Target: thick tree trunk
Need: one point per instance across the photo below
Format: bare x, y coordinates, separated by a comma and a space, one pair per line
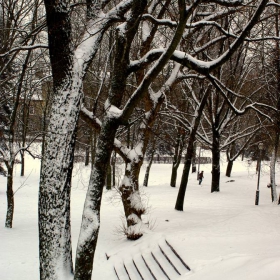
55, 250
54, 205
10, 199
133, 207
215, 185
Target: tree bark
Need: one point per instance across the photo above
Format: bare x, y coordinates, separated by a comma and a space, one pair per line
147, 173
22, 154
109, 177
184, 181
57, 163
272, 167
230, 154
87, 155
215, 185
114, 168
91, 214
229, 168
177, 158
132, 203
10, 198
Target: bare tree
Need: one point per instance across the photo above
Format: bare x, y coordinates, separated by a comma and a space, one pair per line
13, 74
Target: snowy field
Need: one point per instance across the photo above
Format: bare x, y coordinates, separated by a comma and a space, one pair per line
220, 236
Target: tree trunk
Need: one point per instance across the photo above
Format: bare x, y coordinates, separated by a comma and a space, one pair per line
54, 206
229, 168
55, 250
87, 156
22, 163
93, 144
147, 173
230, 154
272, 167
133, 207
177, 158
91, 214
189, 155
193, 165
184, 182
215, 186
109, 177
10, 199
174, 175
114, 168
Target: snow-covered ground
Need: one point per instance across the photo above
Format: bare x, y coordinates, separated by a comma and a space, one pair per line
220, 236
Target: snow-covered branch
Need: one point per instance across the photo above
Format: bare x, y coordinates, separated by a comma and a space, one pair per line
24, 48
246, 108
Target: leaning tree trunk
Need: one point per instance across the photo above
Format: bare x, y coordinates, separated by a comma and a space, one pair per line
10, 197
147, 173
229, 168
91, 214
184, 181
189, 155
215, 185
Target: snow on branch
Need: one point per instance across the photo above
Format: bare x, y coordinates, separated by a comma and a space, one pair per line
166, 22
148, 58
24, 48
229, 3
164, 58
248, 131
4, 155
204, 67
90, 118
203, 23
26, 148
246, 108
95, 123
